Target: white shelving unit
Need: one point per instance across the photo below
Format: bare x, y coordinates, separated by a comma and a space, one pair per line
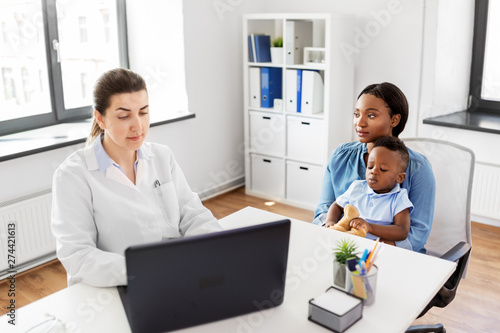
286, 152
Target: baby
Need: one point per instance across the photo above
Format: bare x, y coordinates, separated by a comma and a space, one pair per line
383, 205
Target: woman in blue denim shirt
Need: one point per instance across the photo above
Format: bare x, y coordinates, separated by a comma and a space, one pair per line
381, 110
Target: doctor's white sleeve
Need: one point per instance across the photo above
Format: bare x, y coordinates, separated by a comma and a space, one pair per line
76, 234
194, 217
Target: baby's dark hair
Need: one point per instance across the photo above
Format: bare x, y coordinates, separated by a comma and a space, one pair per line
395, 144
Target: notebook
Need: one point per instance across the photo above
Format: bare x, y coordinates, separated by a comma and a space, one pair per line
199, 279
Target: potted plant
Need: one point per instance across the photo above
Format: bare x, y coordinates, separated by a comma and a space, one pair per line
346, 249
277, 51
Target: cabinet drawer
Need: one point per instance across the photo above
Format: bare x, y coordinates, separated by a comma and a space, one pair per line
305, 139
267, 133
303, 182
268, 175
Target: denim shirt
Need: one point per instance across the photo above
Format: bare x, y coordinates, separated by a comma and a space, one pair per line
347, 164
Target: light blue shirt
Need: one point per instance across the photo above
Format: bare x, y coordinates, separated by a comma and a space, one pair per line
103, 159
346, 164
377, 208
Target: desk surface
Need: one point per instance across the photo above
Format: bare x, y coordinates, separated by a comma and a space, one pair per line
406, 283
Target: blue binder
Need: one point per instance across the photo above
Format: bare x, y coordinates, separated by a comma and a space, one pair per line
299, 89
262, 48
271, 85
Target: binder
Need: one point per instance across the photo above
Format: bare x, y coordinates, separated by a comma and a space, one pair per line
299, 90
254, 83
293, 90
312, 92
298, 35
270, 85
251, 48
262, 48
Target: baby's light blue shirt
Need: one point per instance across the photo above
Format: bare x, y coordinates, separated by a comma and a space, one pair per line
378, 208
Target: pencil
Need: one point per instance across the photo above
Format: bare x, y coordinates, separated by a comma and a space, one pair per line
372, 252
373, 259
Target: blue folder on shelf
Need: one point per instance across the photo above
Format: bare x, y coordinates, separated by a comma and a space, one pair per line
299, 89
270, 84
293, 90
262, 48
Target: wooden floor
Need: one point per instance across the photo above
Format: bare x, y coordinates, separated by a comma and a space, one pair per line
476, 307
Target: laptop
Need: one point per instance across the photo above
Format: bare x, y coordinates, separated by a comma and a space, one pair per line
199, 279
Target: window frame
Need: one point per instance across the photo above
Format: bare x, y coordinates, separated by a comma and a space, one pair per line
476, 103
58, 113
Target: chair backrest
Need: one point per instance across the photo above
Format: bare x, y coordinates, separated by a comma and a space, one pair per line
453, 167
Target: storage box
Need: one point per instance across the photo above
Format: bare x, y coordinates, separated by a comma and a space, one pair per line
267, 133
336, 310
303, 183
306, 139
268, 175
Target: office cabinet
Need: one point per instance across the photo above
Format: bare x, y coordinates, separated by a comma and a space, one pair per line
296, 109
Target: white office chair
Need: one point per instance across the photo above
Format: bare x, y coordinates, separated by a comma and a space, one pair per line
450, 237
453, 168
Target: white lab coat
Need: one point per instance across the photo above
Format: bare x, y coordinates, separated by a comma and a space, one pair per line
96, 215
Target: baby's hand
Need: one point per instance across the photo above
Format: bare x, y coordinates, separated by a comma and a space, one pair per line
359, 223
328, 224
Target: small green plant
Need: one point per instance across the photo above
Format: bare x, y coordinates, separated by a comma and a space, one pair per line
346, 249
278, 42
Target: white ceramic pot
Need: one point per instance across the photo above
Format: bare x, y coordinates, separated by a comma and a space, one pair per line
277, 55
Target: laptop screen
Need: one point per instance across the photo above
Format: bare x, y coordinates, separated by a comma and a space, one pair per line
199, 279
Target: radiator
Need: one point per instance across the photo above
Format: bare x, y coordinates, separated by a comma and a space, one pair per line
34, 242
485, 199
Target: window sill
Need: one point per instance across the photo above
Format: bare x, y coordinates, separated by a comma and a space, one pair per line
470, 120
53, 137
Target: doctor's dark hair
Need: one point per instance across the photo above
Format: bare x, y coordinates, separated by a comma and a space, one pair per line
113, 82
394, 98
394, 144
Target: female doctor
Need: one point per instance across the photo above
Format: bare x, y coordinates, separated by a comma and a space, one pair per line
119, 190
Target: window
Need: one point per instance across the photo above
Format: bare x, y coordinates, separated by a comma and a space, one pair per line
51, 52
485, 72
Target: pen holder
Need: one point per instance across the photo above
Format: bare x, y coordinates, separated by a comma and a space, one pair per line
365, 286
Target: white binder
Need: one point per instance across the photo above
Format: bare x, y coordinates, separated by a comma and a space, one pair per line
291, 90
312, 92
254, 83
298, 35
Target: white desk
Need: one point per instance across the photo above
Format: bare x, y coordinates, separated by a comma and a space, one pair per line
406, 283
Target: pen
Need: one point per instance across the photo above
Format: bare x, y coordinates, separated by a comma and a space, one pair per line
363, 267
157, 185
365, 254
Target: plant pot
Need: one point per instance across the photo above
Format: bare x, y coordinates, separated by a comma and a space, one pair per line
277, 55
341, 276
